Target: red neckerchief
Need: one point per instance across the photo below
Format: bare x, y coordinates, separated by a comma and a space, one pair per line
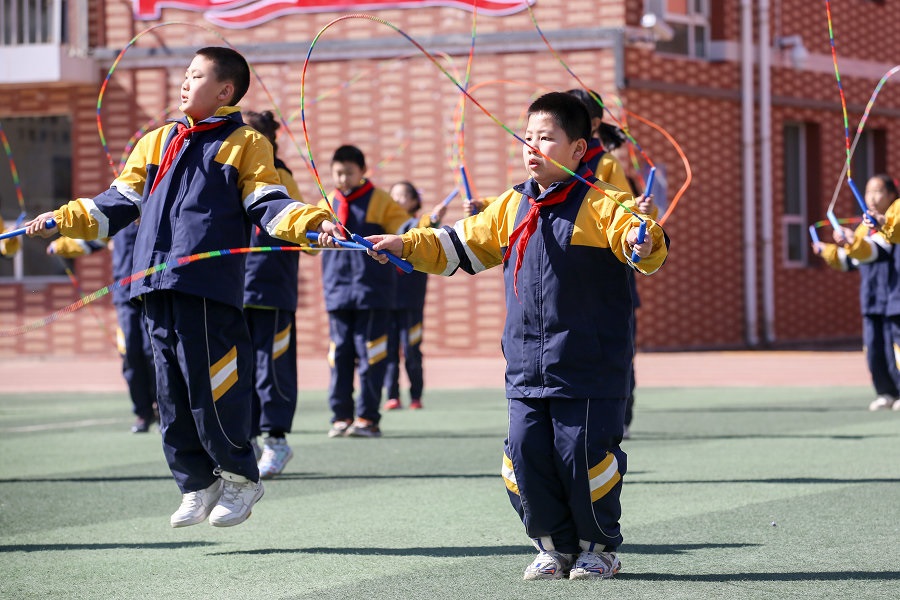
343, 208
528, 226
175, 146
593, 153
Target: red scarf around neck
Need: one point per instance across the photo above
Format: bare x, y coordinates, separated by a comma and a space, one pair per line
343, 208
175, 145
528, 226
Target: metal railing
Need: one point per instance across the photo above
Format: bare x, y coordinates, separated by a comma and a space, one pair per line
28, 22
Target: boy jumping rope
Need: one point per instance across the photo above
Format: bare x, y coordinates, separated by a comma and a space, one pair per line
565, 248
198, 185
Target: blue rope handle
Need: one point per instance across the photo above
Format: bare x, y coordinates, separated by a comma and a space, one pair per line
50, 223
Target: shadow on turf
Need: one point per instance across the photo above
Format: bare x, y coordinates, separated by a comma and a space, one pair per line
788, 480
649, 436
69, 547
730, 577
464, 551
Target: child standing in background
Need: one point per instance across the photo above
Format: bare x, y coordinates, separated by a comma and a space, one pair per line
600, 158
132, 339
359, 295
270, 305
408, 317
868, 251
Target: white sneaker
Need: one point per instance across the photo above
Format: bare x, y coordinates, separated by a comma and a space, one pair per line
549, 564
196, 506
257, 451
595, 565
275, 455
239, 494
882, 402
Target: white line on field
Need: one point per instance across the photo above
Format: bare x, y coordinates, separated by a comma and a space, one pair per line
66, 425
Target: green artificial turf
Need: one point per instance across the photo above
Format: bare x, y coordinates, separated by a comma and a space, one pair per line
730, 493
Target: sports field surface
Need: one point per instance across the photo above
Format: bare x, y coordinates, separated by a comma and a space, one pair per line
765, 488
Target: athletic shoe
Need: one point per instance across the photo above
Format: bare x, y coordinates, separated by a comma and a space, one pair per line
196, 506
339, 428
626, 433
595, 565
882, 402
141, 425
275, 455
364, 428
549, 564
239, 494
392, 404
896, 405
415, 404
257, 451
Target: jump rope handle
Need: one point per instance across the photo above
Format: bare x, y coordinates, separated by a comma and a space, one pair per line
813, 234
314, 237
642, 230
50, 223
446, 201
465, 182
398, 262
862, 204
361, 243
835, 224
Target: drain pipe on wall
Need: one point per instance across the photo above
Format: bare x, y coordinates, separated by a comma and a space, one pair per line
765, 166
749, 171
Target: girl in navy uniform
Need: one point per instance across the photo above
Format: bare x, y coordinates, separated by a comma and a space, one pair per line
408, 317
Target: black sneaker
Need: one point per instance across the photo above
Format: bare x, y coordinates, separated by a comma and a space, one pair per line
141, 425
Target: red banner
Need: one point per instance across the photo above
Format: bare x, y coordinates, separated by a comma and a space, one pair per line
244, 14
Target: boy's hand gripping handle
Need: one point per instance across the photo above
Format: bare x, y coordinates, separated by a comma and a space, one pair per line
642, 232
314, 237
398, 262
50, 223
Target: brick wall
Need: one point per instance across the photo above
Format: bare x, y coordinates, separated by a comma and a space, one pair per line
401, 113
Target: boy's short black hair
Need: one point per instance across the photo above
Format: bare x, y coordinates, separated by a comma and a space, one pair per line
350, 154
568, 112
231, 66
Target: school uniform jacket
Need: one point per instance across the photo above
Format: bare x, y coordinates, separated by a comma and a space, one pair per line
221, 181
352, 280
874, 269
605, 166
568, 332
271, 278
412, 287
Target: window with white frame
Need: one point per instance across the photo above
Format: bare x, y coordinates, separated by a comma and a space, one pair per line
794, 217
42, 153
689, 23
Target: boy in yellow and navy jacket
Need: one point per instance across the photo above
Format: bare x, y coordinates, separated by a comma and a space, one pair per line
197, 185
567, 338
359, 296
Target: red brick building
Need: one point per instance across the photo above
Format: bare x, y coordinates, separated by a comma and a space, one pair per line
746, 88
